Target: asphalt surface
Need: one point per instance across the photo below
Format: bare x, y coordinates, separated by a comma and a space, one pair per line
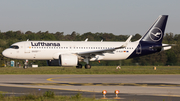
131, 87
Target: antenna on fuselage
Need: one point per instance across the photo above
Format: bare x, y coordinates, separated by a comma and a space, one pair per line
27, 39
86, 40
102, 40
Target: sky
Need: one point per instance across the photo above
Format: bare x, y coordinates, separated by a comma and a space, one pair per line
120, 17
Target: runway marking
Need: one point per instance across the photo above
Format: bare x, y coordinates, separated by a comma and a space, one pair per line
67, 83
52, 79
105, 84
20, 86
168, 95
168, 87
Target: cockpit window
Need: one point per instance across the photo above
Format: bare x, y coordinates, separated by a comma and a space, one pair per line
14, 47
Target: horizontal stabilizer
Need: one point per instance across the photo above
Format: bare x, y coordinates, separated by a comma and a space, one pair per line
163, 47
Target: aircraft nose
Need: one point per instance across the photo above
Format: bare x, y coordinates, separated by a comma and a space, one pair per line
5, 53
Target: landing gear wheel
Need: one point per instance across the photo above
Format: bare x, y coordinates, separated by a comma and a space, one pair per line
25, 66
79, 66
88, 66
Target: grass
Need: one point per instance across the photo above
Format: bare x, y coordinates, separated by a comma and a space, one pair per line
93, 70
47, 96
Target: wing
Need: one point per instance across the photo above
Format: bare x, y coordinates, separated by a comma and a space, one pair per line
100, 52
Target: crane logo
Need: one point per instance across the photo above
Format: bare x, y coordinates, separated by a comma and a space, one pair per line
156, 34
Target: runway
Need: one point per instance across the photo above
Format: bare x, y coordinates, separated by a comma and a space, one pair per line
131, 87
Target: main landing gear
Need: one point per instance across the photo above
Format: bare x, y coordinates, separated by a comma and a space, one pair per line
87, 66
79, 66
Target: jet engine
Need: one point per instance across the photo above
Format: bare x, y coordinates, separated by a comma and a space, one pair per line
64, 60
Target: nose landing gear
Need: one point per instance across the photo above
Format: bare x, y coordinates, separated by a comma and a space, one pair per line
25, 64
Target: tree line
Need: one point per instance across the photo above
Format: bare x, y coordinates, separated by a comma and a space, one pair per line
170, 57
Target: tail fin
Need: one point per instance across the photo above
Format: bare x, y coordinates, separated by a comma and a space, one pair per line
156, 32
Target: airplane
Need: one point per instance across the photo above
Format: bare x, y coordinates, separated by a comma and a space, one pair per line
71, 53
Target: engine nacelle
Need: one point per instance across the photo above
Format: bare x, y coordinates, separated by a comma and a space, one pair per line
64, 60
69, 60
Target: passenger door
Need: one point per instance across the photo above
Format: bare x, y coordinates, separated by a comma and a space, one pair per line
27, 47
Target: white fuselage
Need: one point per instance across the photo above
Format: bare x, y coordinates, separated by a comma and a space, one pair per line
49, 50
